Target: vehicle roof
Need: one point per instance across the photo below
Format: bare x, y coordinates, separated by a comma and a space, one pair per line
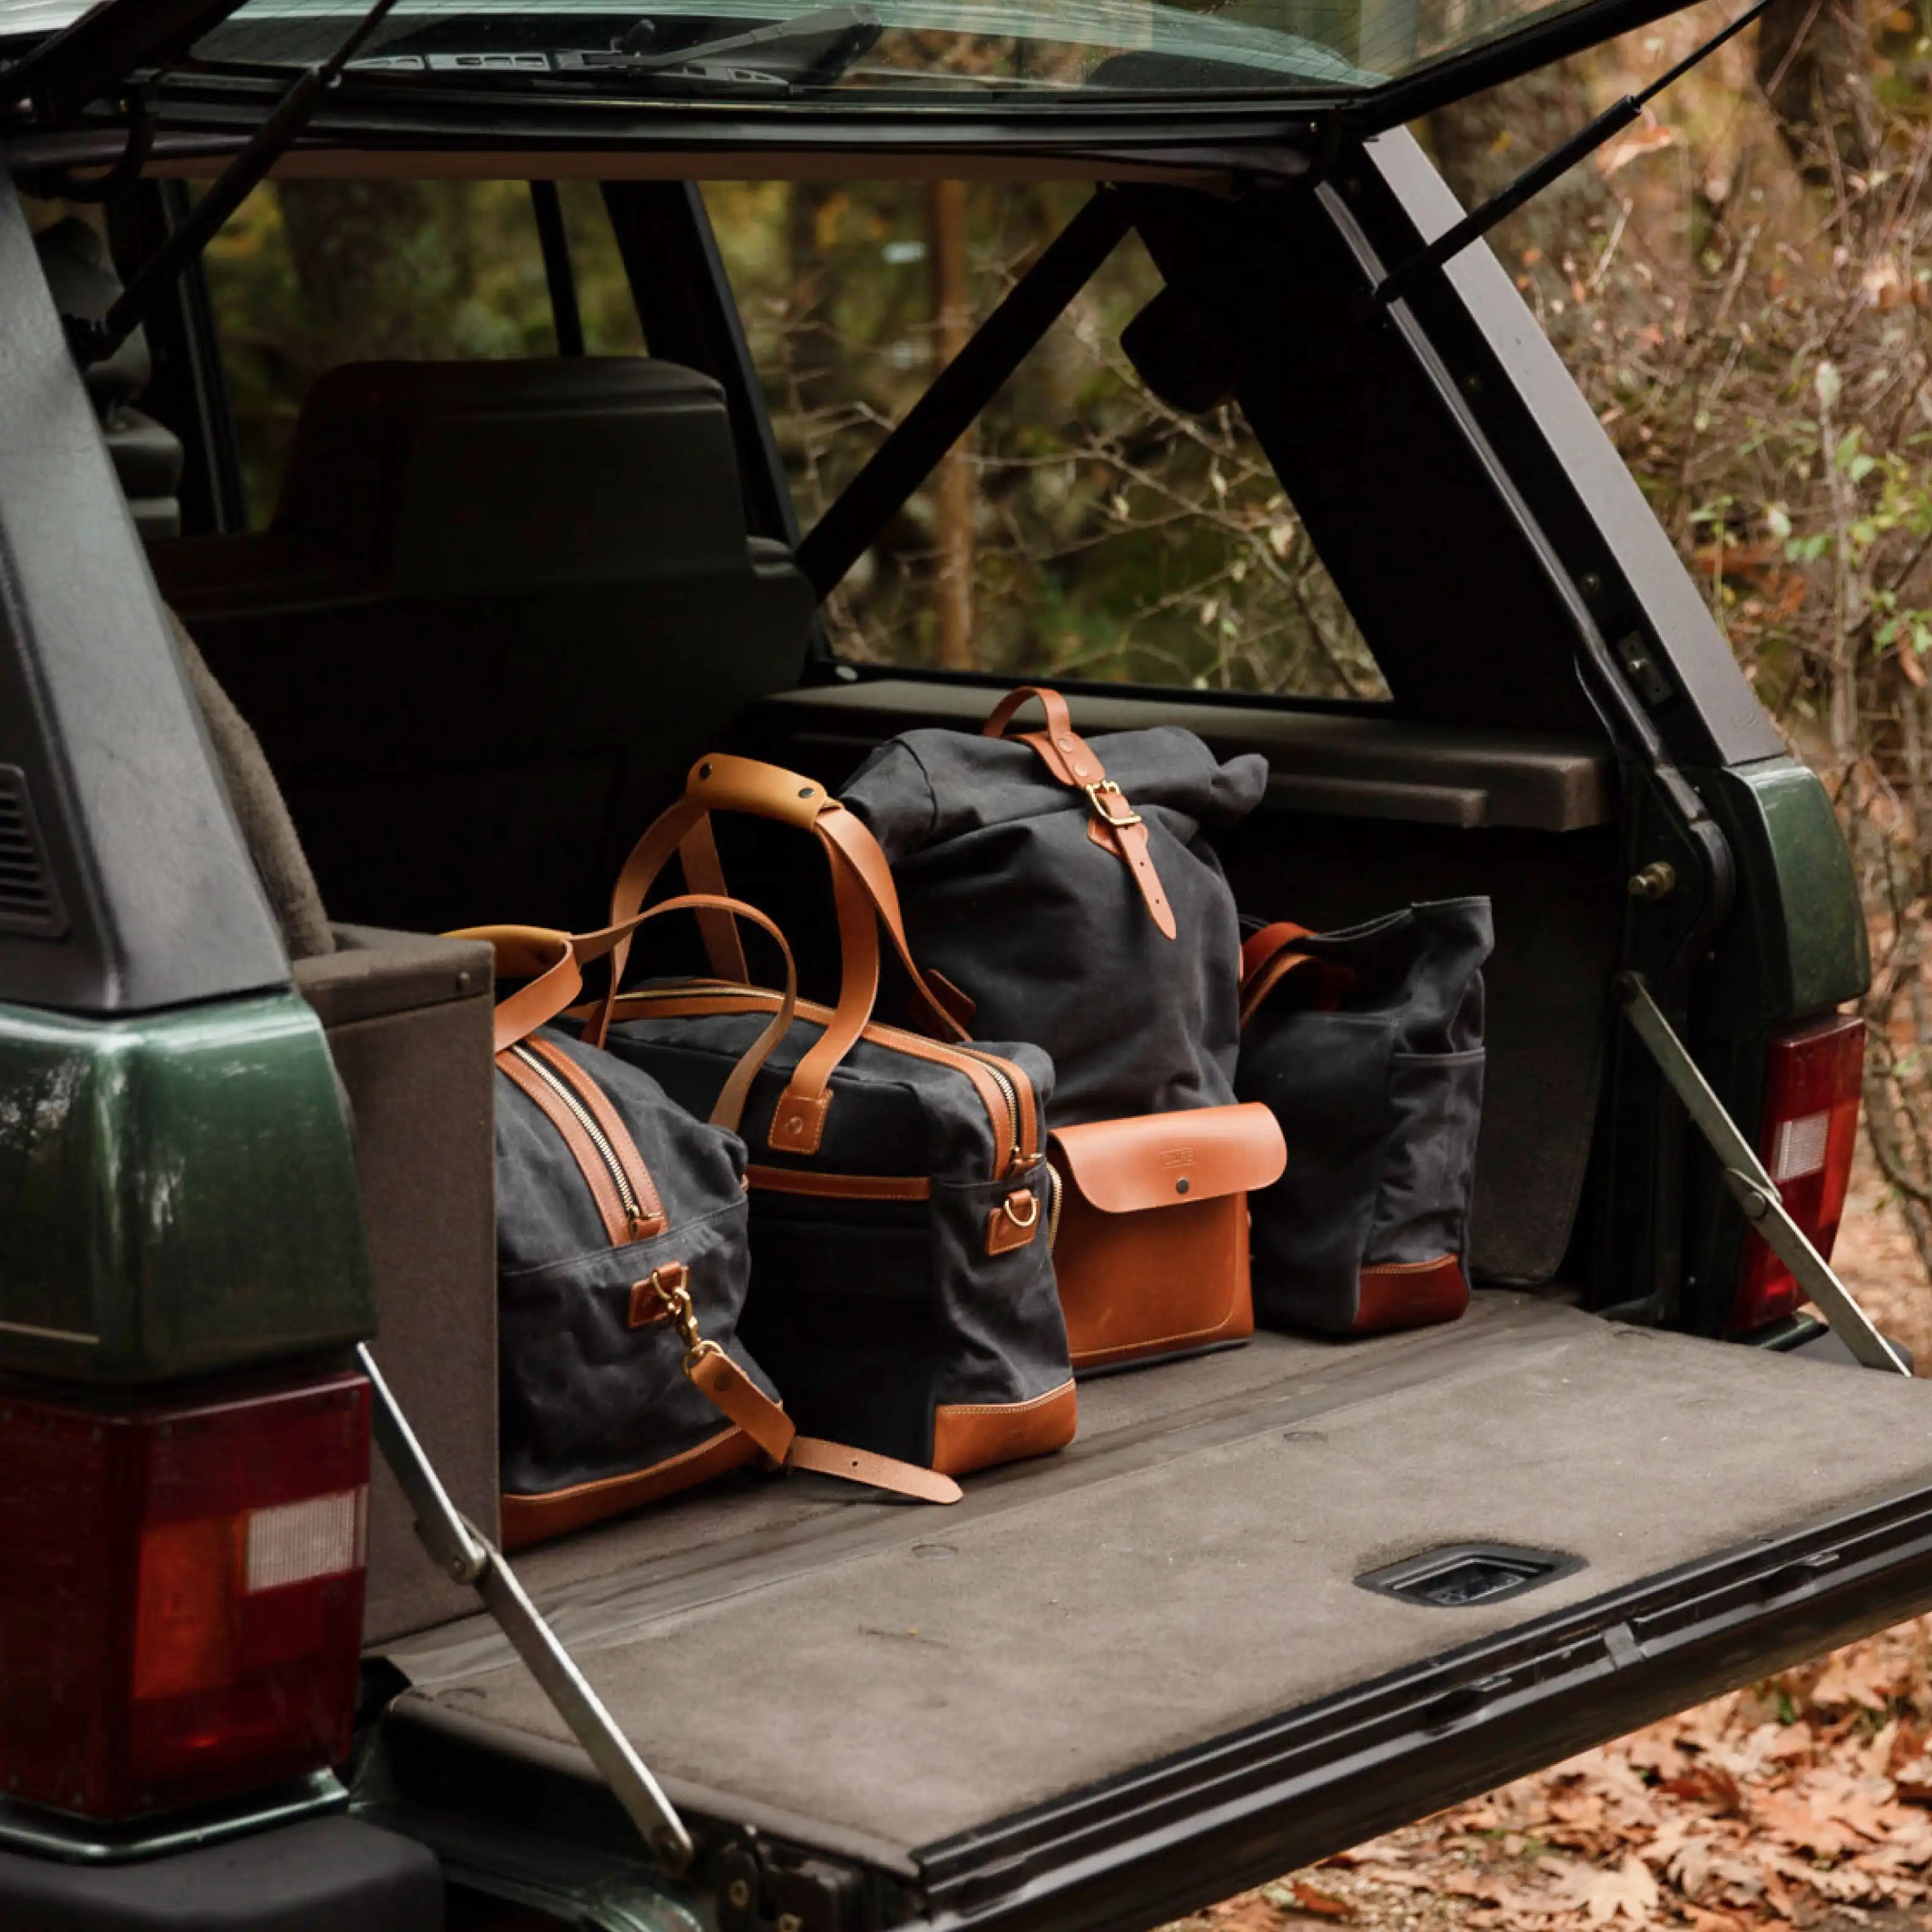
1116, 78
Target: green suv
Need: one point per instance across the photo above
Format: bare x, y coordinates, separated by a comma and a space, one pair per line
1270, 1602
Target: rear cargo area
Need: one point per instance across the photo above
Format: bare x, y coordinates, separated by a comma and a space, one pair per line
894, 1683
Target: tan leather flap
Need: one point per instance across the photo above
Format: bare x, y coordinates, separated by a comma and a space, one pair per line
1161, 1160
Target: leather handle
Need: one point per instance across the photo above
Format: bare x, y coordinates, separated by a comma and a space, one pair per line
766, 791
557, 959
1067, 754
703, 872
1268, 958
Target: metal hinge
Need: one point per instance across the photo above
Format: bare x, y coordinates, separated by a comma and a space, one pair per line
1753, 1189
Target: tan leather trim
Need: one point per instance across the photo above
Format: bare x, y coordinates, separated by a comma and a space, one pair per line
597, 1102
583, 1149
1409, 1295
1163, 1281
798, 1122
723, 1383
967, 1436
876, 1472
1163, 1160
840, 1186
1013, 1223
528, 1519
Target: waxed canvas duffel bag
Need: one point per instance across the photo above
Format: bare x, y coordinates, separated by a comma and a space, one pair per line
623, 1265
903, 1289
1062, 890
1367, 1046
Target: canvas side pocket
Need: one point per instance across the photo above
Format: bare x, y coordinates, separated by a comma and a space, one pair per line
1327, 1078
1422, 1206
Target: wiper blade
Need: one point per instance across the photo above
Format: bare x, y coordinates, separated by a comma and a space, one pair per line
811, 50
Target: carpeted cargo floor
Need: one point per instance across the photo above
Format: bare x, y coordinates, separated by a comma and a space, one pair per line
1187, 1568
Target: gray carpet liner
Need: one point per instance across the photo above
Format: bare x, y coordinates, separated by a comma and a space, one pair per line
1185, 1569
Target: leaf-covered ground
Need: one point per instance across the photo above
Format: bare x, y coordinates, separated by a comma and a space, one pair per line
1804, 1802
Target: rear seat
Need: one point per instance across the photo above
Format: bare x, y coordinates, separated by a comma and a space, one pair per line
502, 606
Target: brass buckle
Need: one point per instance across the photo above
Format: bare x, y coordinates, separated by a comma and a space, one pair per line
1095, 794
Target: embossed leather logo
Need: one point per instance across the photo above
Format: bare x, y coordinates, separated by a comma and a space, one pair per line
1180, 1157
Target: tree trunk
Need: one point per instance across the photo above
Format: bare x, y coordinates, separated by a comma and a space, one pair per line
952, 480
1812, 62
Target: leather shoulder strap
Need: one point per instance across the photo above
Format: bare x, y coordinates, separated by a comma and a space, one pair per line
1115, 826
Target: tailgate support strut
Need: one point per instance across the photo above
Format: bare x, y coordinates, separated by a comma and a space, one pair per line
460, 1550
1753, 1189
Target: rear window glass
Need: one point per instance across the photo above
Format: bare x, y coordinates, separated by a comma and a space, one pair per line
309, 274
1085, 529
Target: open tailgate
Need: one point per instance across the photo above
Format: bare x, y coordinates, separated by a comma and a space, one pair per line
1115, 1684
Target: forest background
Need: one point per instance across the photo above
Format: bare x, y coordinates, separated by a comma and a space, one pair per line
1740, 284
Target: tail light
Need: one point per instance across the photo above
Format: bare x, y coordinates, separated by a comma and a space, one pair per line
180, 1594
1812, 1079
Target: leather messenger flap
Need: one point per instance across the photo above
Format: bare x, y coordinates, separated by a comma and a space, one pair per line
1161, 1160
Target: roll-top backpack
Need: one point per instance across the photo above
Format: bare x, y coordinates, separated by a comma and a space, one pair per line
903, 1290
1367, 1044
1060, 890
623, 1265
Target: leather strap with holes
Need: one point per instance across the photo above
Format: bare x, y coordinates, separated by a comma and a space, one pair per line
735, 1395
1113, 824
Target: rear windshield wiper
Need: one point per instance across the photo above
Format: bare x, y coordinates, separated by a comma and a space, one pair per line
811, 50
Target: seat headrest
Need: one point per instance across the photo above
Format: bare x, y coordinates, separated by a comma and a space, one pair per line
483, 478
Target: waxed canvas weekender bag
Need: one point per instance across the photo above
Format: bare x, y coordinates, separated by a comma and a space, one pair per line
623, 1266
903, 1288
1367, 1045
1065, 889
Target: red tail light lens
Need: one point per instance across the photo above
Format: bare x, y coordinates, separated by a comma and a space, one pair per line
1812, 1079
180, 1594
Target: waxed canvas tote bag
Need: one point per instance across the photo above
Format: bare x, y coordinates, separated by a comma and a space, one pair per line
1366, 1045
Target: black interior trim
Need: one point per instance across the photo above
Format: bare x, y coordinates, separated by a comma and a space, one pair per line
1355, 767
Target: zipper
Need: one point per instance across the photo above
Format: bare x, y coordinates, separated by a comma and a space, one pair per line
1054, 1184
627, 1194
1017, 1115
997, 1068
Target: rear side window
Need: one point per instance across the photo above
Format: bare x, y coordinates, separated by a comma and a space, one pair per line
309, 274
1084, 529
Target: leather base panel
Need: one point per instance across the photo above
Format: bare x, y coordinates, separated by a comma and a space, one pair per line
1410, 1294
528, 1519
967, 1436
1163, 1282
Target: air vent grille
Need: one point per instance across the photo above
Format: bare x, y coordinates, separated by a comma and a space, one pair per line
28, 901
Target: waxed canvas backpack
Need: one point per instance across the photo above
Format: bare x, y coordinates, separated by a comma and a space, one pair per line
1062, 890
